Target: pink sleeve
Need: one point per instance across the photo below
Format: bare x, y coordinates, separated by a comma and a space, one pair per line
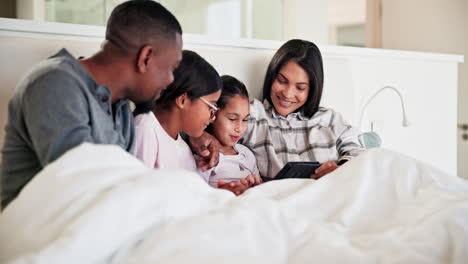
146, 145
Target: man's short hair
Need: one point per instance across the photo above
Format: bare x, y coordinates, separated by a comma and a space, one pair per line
136, 23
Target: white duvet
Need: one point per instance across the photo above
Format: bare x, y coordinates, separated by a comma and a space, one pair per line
98, 204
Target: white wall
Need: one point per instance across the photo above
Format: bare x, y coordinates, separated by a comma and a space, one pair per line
346, 12
267, 19
306, 19
434, 26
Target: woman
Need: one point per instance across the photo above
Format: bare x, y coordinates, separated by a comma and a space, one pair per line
290, 125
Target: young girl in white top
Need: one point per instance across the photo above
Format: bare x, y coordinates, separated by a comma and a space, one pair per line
186, 105
236, 162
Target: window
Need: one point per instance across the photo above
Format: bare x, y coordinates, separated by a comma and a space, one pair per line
335, 22
259, 19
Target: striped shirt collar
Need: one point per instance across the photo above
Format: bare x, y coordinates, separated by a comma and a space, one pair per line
272, 111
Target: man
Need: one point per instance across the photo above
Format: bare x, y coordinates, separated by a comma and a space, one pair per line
63, 102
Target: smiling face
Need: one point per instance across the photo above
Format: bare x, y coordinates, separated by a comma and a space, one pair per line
231, 121
290, 88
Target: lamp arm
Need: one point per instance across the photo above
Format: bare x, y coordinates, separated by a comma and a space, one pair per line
405, 122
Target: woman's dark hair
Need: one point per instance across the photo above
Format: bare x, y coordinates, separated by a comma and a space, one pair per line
231, 87
307, 55
194, 76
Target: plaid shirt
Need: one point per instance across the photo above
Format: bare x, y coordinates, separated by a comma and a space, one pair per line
276, 140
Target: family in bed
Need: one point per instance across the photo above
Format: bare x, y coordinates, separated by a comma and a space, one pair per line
186, 115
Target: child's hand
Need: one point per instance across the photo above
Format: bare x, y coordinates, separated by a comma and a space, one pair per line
236, 187
252, 180
324, 169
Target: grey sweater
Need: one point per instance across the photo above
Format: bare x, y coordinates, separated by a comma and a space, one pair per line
57, 106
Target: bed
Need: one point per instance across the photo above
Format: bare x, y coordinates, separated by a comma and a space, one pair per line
98, 204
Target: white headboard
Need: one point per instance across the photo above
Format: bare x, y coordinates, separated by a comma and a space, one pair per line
351, 76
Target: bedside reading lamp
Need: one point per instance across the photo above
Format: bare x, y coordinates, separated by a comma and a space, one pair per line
372, 139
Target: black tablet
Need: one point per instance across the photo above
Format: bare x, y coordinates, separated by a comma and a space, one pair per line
300, 169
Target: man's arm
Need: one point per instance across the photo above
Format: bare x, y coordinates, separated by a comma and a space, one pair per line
56, 115
207, 147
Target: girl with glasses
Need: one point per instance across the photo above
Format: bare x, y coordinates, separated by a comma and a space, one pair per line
236, 162
187, 105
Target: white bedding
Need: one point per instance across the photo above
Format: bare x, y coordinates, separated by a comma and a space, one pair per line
97, 204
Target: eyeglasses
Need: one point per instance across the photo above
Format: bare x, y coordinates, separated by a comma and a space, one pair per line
213, 109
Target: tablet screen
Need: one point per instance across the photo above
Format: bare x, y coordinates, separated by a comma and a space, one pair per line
301, 169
